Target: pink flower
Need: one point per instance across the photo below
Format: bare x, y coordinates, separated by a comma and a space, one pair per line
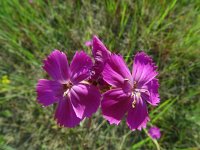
100, 54
69, 88
130, 92
88, 43
154, 132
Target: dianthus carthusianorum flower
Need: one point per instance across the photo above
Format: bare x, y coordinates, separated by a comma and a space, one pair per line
154, 132
69, 88
88, 43
130, 91
100, 54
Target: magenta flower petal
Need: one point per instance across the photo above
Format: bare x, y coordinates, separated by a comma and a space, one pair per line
152, 97
116, 71
144, 70
154, 132
80, 67
100, 54
85, 99
138, 116
65, 114
88, 43
56, 65
99, 47
77, 104
48, 92
114, 105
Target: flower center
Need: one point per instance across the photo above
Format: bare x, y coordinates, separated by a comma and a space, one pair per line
136, 93
66, 88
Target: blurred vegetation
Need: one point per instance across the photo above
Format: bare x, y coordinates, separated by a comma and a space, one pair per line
168, 30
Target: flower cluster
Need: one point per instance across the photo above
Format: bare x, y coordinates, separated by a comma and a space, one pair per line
84, 85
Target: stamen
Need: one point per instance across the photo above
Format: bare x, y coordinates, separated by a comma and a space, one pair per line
135, 95
126, 79
84, 82
138, 94
67, 88
133, 103
66, 93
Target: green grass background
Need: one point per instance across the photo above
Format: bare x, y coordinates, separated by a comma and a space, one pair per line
168, 30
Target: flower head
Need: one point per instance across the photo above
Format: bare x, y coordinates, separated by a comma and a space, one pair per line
130, 91
100, 54
69, 88
154, 132
88, 43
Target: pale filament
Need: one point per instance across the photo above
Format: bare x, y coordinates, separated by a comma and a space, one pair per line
67, 88
66, 93
136, 94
